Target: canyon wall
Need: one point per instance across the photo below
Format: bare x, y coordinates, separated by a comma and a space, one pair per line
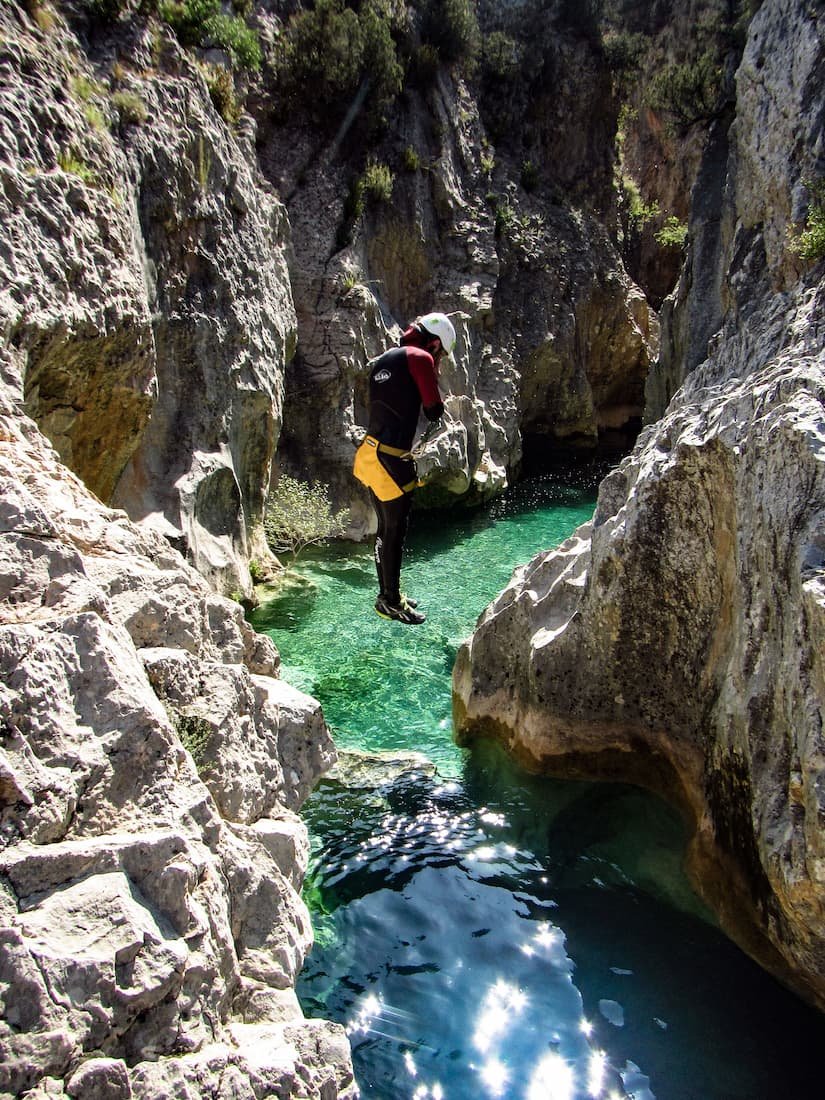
152, 763
677, 640
144, 268
513, 241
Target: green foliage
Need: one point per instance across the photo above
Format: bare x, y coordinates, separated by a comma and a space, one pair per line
331, 52
505, 215
501, 57
95, 117
85, 89
624, 53
130, 108
688, 92
672, 234
809, 243
451, 27
639, 213
298, 515
351, 214
256, 574
411, 159
201, 23
71, 163
221, 87
381, 63
194, 734
352, 276
377, 181
529, 175
424, 64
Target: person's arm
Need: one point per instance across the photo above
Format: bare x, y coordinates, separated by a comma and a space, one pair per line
422, 368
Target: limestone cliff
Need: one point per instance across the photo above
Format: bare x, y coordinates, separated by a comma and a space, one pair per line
152, 927
143, 264
151, 762
678, 639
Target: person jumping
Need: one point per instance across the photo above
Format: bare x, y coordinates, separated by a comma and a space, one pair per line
402, 381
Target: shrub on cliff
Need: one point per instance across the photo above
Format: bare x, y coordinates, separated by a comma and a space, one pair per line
202, 23
298, 515
809, 243
332, 57
451, 27
688, 92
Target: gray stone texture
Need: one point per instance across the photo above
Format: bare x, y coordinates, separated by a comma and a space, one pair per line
678, 639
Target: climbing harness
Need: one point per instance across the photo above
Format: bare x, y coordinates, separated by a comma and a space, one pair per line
369, 470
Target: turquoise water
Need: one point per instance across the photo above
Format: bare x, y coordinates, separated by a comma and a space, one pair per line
485, 933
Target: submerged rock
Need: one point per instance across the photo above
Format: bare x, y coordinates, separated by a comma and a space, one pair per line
677, 640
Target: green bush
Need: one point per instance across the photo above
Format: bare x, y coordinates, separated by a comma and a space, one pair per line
672, 234
380, 62
623, 52
809, 243
298, 515
201, 23
688, 92
412, 161
377, 182
639, 212
194, 734
330, 53
221, 87
501, 57
452, 28
73, 165
130, 108
529, 175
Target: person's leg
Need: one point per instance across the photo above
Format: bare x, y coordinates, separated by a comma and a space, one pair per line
393, 516
389, 550
378, 546
396, 519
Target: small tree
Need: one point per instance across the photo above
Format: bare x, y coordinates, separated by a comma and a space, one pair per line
299, 514
809, 242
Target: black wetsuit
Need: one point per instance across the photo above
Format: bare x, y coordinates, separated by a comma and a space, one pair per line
402, 380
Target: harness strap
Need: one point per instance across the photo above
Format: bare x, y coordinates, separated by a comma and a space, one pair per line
385, 448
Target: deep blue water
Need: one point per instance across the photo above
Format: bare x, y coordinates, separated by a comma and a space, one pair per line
486, 933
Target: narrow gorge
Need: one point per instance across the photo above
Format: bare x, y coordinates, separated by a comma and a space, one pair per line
212, 215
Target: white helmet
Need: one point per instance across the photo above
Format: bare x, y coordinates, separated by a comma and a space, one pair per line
440, 325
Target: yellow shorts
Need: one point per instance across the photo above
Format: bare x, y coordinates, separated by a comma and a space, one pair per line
369, 470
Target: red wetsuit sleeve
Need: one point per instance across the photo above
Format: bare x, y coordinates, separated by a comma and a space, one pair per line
422, 368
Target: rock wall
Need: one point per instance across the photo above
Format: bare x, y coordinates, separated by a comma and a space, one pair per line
151, 762
145, 263
151, 767
677, 640
554, 338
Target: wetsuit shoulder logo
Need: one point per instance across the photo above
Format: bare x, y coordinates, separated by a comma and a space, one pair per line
382, 376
